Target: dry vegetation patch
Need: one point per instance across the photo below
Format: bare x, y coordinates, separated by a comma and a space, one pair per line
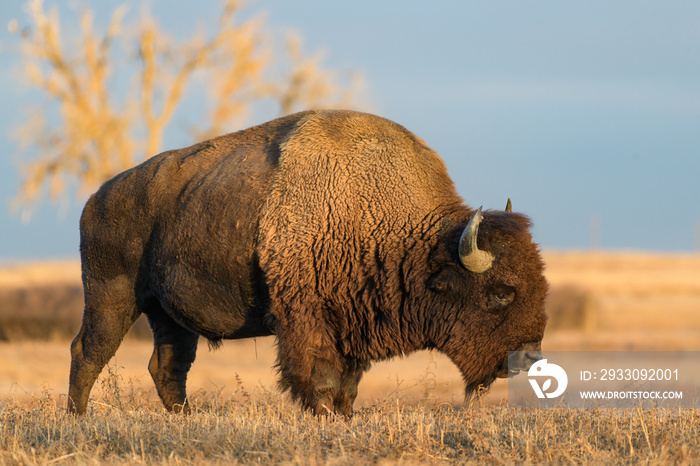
626, 299
40, 274
264, 427
625, 272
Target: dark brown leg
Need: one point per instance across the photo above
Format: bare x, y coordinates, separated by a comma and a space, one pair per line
309, 369
174, 352
109, 313
349, 380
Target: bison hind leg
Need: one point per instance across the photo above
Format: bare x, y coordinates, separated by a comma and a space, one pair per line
109, 313
174, 351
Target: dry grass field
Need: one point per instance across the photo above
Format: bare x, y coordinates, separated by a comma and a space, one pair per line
409, 410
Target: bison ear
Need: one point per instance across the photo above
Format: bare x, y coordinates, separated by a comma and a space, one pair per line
442, 281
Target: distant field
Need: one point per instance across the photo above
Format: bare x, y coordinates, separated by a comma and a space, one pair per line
40, 274
626, 300
410, 410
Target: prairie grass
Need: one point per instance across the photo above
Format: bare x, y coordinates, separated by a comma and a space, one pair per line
260, 426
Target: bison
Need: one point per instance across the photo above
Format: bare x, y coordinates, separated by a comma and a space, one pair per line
338, 232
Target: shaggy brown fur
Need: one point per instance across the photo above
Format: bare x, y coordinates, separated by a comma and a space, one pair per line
336, 231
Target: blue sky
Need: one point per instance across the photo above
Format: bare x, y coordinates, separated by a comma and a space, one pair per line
583, 112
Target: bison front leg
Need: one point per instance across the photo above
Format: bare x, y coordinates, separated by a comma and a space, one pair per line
310, 369
349, 380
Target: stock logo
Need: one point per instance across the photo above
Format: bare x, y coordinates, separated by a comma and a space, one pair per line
542, 370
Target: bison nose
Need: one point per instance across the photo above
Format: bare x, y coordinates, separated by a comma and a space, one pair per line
524, 358
531, 353
531, 357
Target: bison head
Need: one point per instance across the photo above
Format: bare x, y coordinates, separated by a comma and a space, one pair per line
489, 291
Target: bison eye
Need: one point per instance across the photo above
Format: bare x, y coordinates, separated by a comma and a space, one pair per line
501, 296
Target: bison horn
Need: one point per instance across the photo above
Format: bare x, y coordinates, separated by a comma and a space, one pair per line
509, 206
473, 259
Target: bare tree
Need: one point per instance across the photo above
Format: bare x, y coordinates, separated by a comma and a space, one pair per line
103, 129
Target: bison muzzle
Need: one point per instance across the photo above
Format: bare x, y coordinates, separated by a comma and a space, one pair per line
338, 232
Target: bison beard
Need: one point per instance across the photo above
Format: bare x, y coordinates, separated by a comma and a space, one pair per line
338, 232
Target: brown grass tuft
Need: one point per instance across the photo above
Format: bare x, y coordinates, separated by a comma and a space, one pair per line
265, 427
